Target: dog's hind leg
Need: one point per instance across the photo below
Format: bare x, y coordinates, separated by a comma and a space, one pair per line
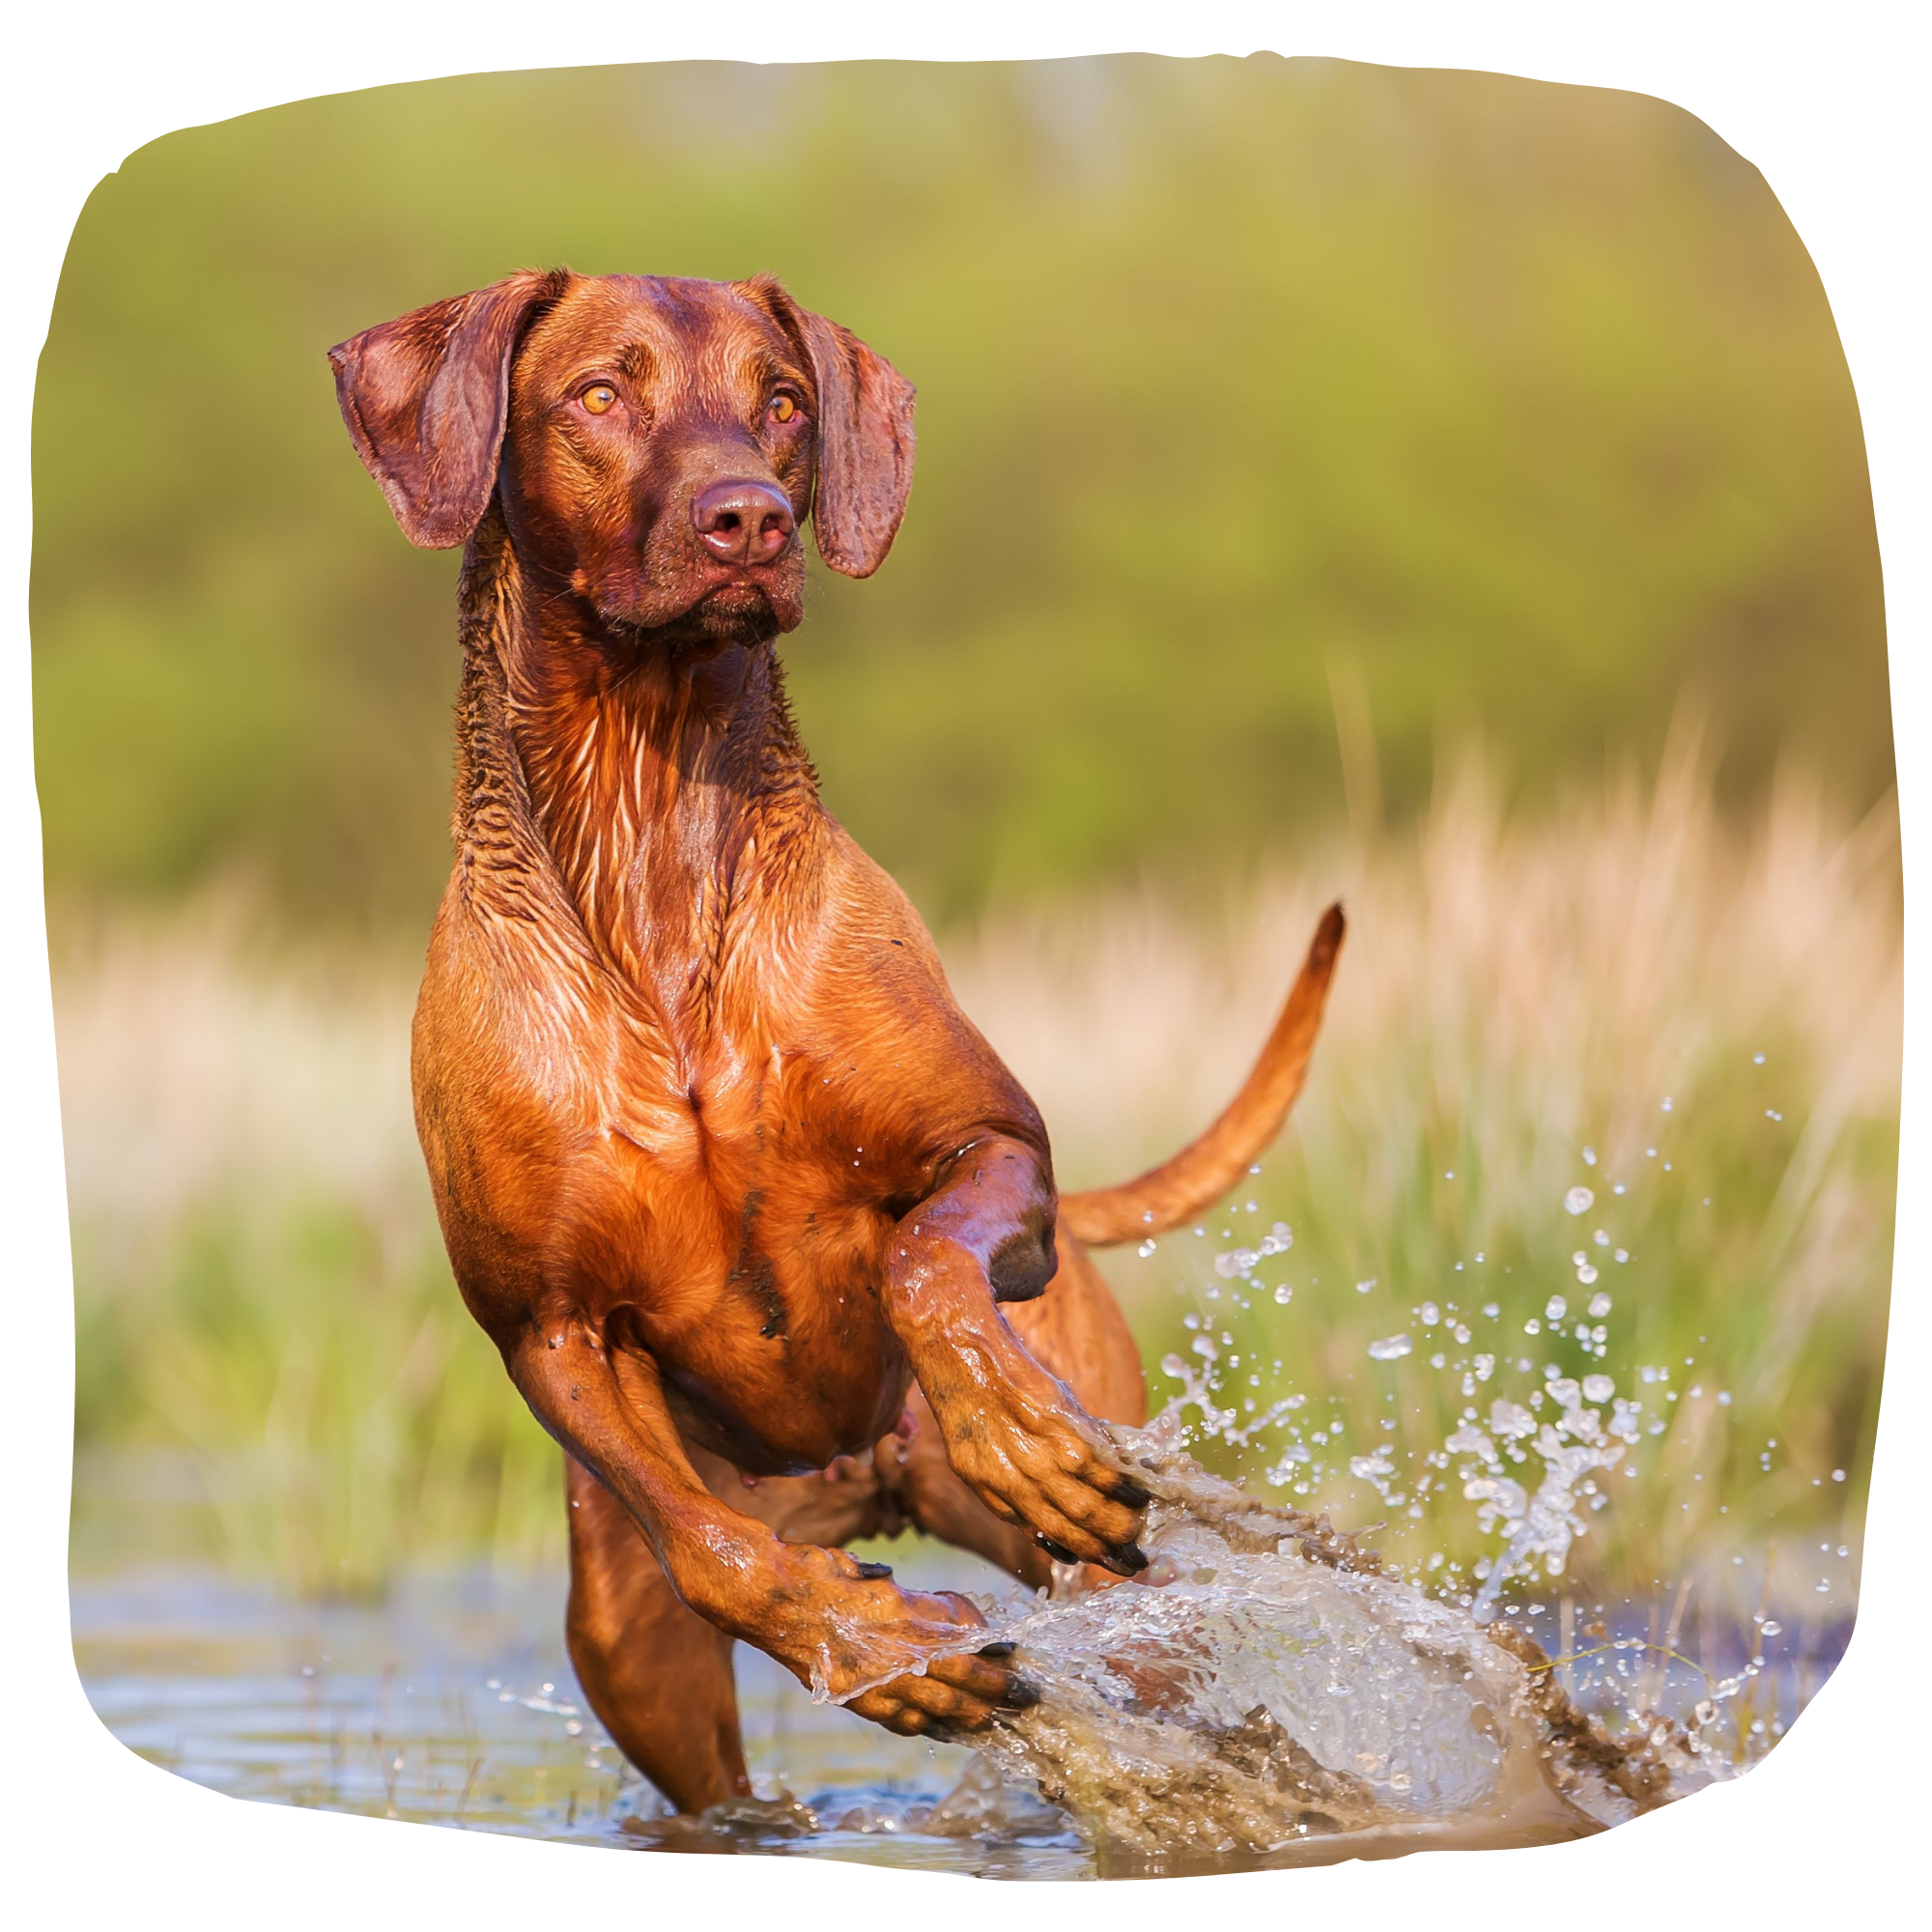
656, 1675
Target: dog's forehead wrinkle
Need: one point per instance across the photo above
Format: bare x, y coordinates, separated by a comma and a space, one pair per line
706, 342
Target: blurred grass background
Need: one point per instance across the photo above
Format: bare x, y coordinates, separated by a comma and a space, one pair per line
1331, 477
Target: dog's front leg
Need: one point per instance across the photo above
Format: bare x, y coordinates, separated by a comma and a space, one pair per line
1013, 1431
838, 1625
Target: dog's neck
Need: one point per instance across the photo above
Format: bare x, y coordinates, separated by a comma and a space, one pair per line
663, 787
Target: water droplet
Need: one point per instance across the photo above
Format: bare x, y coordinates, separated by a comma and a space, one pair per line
1586, 1274
1599, 1388
1556, 1307
1145, 1249
1579, 1201
1284, 1294
1589, 1157
1391, 1349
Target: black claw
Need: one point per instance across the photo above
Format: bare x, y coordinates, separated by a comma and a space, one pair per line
1129, 1493
997, 1651
1057, 1551
1126, 1559
869, 1571
1022, 1694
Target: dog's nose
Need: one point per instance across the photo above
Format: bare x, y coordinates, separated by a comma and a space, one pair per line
741, 521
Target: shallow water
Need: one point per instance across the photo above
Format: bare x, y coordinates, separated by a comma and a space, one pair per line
453, 1704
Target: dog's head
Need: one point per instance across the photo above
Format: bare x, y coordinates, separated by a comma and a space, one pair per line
657, 441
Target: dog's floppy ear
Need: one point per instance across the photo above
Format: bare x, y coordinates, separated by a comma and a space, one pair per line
865, 439
426, 397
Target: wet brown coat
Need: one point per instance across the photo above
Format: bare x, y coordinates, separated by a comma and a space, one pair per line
722, 1170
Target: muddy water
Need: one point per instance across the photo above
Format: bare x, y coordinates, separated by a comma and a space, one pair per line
452, 1704
1271, 1689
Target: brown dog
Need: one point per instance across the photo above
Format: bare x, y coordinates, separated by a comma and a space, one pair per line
723, 1171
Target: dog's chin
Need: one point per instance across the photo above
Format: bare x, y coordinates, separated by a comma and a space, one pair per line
739, 611
744, 612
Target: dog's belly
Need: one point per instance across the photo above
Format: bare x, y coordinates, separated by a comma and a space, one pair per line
772, 1350
755, 1300
774, 1405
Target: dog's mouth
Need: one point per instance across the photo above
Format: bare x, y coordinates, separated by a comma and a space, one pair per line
716, 604
745, 606
741, 594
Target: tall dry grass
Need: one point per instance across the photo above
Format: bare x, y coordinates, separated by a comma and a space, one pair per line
261, 1286
1603, 977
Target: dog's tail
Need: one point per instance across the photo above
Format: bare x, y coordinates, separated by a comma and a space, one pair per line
1202, 1171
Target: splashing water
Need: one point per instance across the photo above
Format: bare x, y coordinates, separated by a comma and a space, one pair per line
1269, 1686
1529, 1465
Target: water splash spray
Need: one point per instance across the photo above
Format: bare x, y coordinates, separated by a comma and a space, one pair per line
1274, 1688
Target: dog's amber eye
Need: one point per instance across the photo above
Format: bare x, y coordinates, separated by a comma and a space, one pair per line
598, 398
783, 409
